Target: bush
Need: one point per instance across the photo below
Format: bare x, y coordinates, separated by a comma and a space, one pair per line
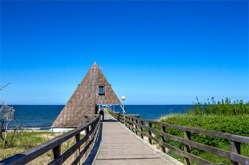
223, 107
223, 116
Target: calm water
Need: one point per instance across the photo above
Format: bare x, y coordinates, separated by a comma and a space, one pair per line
42, 116
153, 112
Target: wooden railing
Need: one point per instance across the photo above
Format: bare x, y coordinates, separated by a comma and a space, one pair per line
90, 129
143, 127
120, 117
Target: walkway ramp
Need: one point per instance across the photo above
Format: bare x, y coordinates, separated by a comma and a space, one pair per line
119, 146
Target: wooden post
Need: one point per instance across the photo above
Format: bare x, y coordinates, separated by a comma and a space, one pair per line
124, 119
187, 147
128, 123
163, 139
150, 141
136, 127
56, 152
118, 116
235, 147
87, 141
141, 129
87, 130
130, 119
125, 123
77, 152
132, 125
92, 135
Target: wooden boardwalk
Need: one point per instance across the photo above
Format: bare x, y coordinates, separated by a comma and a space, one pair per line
120, 146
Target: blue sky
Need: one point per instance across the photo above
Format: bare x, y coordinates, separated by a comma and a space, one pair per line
163, 52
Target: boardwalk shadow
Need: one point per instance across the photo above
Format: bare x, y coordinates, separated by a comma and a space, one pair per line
91, 157
110, 120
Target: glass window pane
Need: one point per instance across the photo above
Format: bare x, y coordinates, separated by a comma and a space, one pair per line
101, 90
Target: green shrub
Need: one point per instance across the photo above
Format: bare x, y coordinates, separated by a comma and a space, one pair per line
223, 107
223, 116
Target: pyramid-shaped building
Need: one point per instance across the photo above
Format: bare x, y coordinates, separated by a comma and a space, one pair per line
93, 90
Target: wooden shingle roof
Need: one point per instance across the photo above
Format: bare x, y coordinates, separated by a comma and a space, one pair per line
83, 101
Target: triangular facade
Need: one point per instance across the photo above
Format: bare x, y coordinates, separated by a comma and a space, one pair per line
94, 89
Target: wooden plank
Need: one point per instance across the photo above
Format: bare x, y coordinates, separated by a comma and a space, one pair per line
234, 156
120, 146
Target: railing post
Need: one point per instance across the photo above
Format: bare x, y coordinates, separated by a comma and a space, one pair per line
127, 122
56, 152
150, 125
118, 117
141, 129
129, 118
187, 147
136, 127
132, 125
163, 139
92, 136
235, 147
77, 152
124, 119
87, 141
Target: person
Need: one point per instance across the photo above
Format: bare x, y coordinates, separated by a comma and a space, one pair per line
101, 115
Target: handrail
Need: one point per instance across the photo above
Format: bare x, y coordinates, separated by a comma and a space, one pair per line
138, 126
90, 129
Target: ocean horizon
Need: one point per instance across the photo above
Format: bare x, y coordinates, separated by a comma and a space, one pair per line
42, 116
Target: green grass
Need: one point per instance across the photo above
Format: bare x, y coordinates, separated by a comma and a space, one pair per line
25, 140
28, 140
227, 124
222, 116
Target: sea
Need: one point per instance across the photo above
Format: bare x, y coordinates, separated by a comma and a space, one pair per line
41, 117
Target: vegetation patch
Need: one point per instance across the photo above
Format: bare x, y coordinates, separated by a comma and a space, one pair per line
25, 140
222, 116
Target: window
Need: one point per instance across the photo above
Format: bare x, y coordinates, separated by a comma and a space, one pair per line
102, 90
